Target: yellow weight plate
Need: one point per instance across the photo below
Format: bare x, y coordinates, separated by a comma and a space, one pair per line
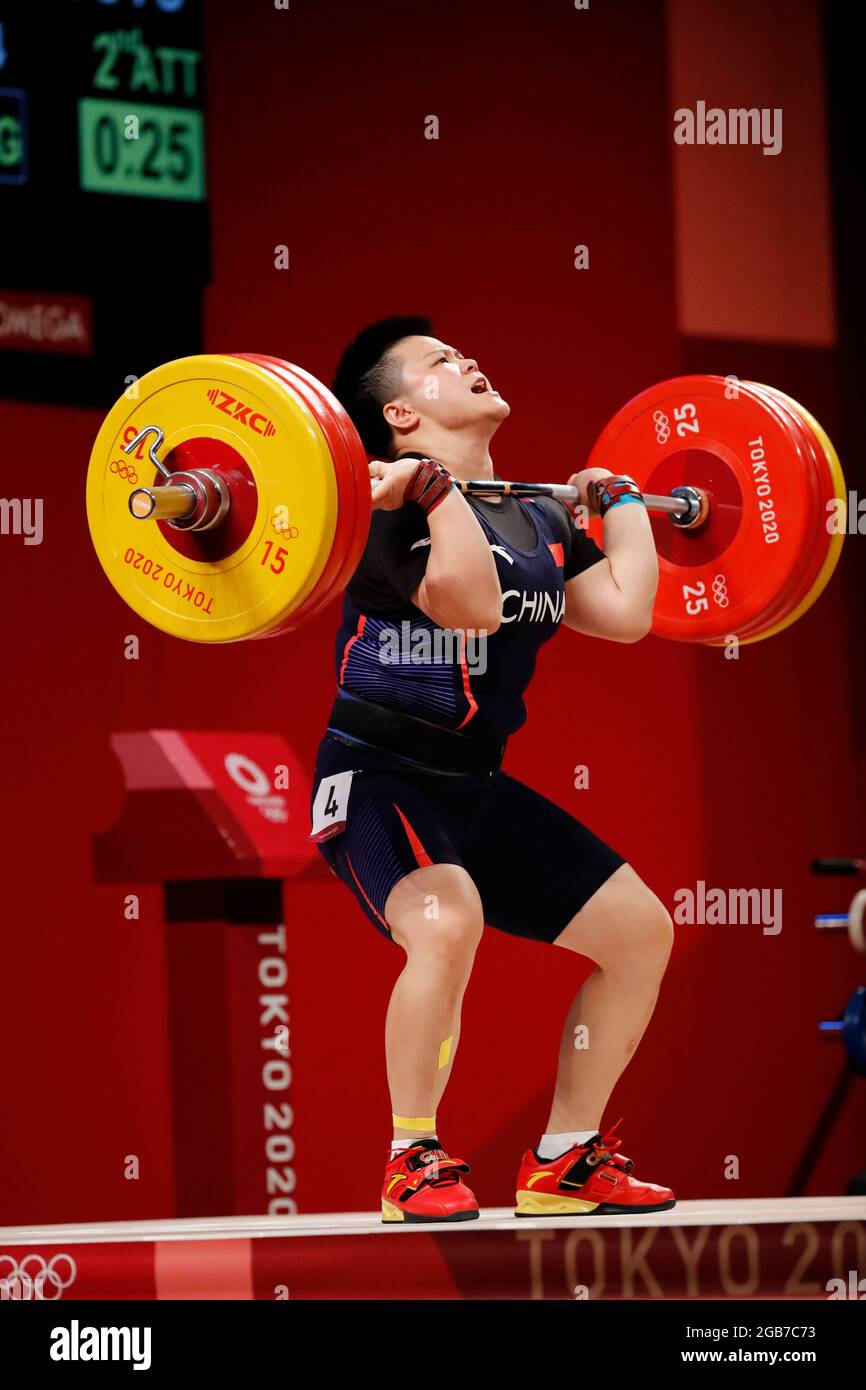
832, 558
268, 556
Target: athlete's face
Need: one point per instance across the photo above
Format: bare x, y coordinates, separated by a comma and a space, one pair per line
441, 385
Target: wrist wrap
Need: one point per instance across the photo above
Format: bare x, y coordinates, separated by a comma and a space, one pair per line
611, 492
429, 485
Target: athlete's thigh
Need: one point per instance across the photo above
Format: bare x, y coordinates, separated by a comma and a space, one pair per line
533, 864
392, 830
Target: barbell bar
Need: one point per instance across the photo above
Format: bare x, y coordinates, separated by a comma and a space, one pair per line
177, 500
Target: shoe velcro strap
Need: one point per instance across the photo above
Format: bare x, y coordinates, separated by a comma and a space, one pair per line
441, 1174
446, 1172
583, 1168
425, 1158
443, 1167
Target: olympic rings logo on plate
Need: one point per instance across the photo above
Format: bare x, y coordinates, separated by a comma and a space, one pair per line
662, 426
18, 1284
124, 470
720, 591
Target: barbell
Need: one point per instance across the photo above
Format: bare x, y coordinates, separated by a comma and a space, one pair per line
228, 497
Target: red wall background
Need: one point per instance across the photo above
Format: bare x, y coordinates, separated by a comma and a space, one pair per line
555, 130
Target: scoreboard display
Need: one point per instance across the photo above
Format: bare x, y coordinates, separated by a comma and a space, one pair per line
104, 246
165, 161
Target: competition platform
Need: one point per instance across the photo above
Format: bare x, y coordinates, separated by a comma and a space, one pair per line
790, 1248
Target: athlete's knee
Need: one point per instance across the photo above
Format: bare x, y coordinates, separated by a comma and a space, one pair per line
454, 935
641, 928
657, 926
624, 923
437, 911
450, 938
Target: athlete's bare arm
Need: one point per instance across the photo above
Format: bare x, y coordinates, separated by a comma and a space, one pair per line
460, 587
614, 598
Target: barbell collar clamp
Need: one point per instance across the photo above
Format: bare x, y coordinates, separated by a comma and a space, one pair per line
196, 499
697, 507
212, 495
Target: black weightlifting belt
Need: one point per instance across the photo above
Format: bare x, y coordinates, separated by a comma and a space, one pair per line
406, 736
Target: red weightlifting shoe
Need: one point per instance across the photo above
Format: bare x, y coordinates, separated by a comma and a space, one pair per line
590, 1177
422, 1183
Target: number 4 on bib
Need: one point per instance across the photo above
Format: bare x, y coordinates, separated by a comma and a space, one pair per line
329, 807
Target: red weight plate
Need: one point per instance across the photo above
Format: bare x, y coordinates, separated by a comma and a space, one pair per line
346, 509
741, 449
356, 487
791, 592
360, 465
836, 497
361, 491
815, 550
344, 556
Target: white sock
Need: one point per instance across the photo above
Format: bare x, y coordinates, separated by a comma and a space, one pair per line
398, 1145
553, 1145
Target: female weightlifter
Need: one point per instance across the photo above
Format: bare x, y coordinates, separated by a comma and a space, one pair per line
410, 807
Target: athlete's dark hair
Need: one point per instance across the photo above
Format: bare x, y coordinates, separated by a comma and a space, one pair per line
369, 375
